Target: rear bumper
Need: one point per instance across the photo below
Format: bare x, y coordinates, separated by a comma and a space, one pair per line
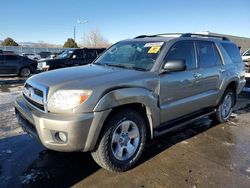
81, 130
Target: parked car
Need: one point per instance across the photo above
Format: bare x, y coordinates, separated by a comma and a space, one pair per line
15, 64
135, 91
32, 56
246, 59
70, 57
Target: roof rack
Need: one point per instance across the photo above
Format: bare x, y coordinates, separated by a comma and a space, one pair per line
184, 35
204, 35
157, 35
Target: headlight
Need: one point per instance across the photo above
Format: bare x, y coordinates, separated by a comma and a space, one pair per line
41, 65
68, 99
44, 64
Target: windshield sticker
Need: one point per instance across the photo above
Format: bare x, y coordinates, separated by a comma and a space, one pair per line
153, 44
154, 50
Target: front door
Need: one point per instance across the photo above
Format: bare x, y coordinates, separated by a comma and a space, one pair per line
10, 64
179, 90
2, 64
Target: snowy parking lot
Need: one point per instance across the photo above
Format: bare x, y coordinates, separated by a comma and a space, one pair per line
201, 155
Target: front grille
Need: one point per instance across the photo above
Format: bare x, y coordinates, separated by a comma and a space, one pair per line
247, 68
35, 96
40, 106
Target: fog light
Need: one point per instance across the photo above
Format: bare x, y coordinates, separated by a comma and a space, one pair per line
61, 136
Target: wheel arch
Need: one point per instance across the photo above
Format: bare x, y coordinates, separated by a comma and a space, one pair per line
139, 99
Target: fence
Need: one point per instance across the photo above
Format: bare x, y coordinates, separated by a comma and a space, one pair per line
21, 49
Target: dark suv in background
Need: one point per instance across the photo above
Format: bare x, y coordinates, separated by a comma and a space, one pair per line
15, 64
71, 57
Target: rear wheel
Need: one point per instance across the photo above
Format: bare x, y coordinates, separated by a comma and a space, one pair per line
225, 108
25, 72
122, 142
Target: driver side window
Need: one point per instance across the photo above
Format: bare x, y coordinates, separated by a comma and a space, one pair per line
183, 50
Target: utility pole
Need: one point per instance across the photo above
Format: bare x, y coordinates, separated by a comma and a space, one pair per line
74, 33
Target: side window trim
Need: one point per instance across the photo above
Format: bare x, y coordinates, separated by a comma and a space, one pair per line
196, 60
219, 51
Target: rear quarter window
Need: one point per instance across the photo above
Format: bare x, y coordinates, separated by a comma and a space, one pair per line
233, 52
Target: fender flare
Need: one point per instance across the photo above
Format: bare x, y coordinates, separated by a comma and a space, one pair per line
126, 96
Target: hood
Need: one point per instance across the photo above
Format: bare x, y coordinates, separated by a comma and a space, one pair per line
87, 76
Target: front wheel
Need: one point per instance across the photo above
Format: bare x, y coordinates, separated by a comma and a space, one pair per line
225, 108
122, 142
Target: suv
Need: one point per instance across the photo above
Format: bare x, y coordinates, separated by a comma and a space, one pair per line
137, 90
69, 58
246, 59
15, 64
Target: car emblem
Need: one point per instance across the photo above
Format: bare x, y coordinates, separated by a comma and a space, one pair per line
30, 92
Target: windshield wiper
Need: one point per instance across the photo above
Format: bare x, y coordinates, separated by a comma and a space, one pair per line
120, 66
117, 65
138, 68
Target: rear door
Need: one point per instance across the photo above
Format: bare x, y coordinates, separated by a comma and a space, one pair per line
179, 90
210, 63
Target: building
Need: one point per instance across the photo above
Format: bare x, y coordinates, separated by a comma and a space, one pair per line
242, 42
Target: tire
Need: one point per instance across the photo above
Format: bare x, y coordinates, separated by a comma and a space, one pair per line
225, 108
25, 72
114, 151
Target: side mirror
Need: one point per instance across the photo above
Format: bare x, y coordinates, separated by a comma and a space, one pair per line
74, 57
174, 65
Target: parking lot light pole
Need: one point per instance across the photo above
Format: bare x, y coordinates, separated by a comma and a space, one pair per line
78, 22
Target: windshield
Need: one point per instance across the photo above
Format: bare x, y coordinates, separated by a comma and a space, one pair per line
131, 55
65, 54
247, 53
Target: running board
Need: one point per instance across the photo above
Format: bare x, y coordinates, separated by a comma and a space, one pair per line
178, 123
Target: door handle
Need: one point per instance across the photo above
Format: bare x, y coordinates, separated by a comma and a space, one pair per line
222, 70
197, 75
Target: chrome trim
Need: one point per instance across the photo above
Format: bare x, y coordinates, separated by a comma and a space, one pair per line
35, 98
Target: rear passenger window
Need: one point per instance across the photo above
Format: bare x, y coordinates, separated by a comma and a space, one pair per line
91, 54
183, 50
233, 52
1, 57
206, 54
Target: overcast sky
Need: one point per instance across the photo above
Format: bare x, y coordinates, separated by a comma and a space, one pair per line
53, 20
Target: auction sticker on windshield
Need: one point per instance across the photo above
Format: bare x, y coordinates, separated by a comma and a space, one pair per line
153, 44
154, 50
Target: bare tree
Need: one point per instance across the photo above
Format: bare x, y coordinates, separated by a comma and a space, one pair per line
94, 39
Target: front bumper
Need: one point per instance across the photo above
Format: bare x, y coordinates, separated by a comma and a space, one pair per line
82, 130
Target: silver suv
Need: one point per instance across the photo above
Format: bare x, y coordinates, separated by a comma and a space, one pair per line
136, 90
